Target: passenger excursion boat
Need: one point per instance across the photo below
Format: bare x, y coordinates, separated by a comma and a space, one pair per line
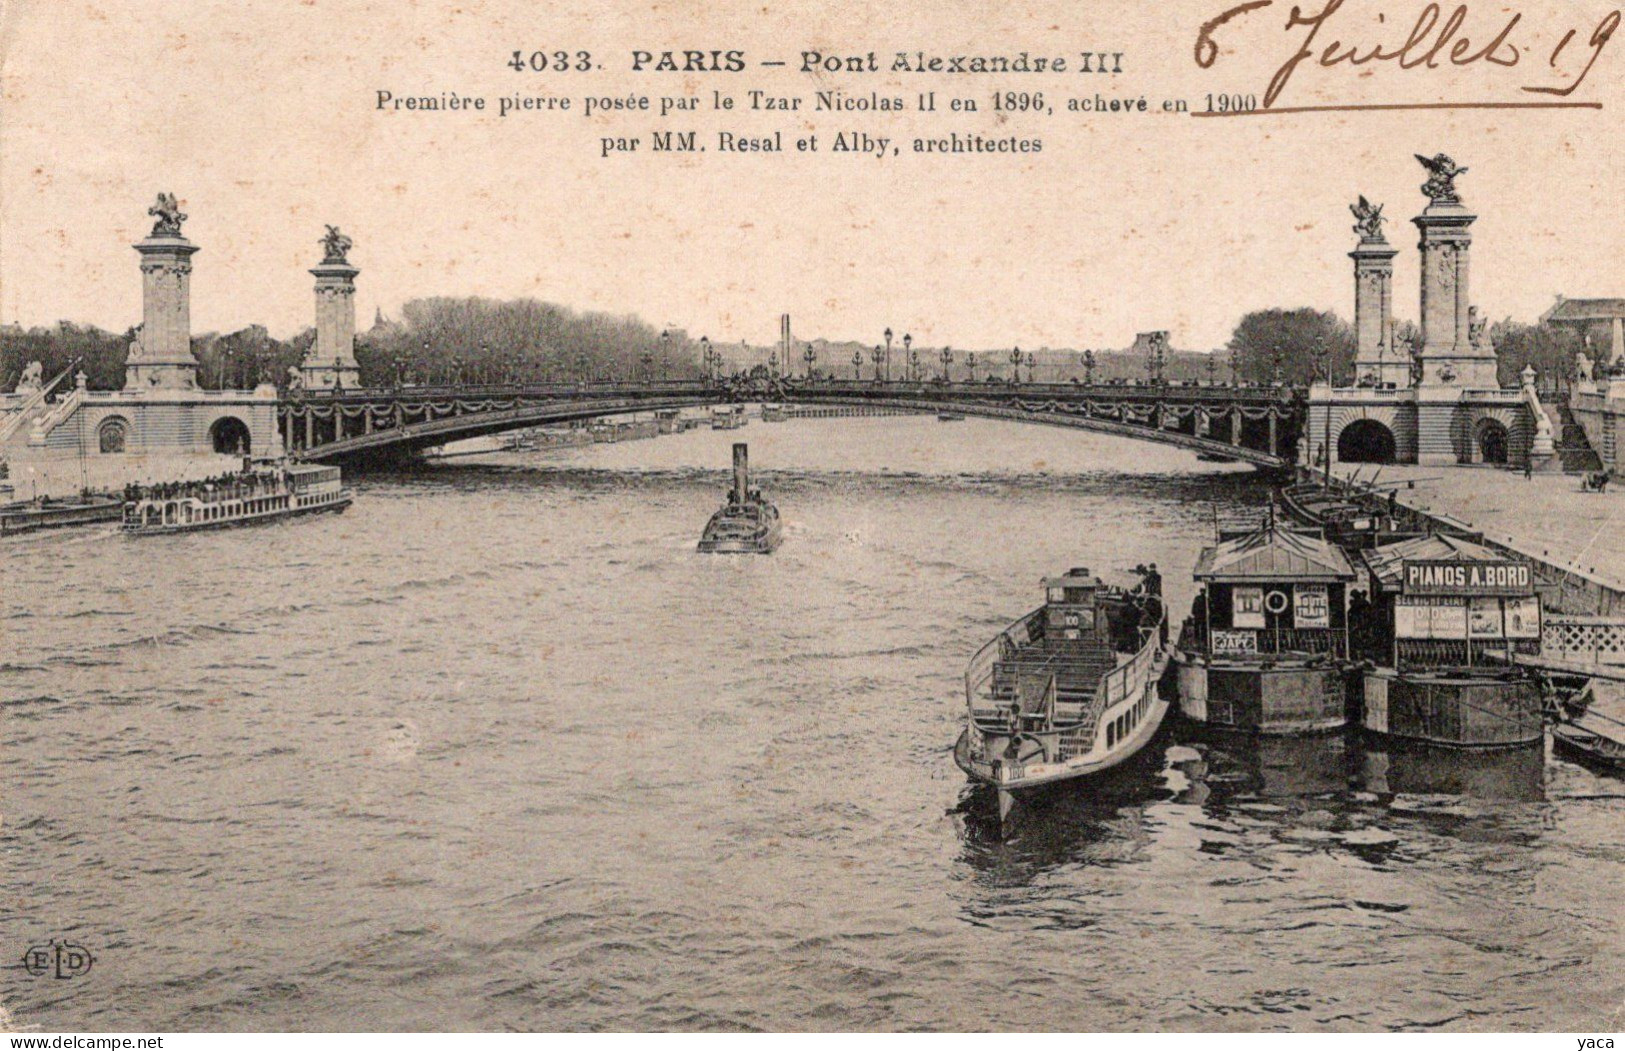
255, 495
1266, 646
1067, 691
747, 524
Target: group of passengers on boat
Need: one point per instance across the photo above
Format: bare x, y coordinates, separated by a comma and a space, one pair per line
244, 484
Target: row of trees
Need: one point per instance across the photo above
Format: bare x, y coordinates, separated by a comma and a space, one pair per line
445, 340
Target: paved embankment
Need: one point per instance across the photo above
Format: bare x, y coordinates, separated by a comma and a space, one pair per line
1573, 536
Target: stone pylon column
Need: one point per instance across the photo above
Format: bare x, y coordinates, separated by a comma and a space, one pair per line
161, 356
330, 361
1375, 360
1451, 356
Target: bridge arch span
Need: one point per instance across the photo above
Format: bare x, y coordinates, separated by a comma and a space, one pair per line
1252, 425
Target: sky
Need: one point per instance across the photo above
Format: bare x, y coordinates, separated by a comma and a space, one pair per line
260, 116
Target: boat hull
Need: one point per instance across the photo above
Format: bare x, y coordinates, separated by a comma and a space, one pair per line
1034, 775
763, 544
1280, 700
1456, 711
1589, 748
334, 506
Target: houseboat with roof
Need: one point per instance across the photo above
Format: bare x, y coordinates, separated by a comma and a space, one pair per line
727, 417
747, 524
1449, 621
1067, 691
255, 495
1266, 647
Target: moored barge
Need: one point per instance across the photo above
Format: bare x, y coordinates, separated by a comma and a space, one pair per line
1067, 691
1265, 649
1449, 621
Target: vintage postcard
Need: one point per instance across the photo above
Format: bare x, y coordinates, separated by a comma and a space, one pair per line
1047, 517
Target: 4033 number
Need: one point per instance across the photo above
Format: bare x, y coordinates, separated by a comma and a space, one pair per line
551, 61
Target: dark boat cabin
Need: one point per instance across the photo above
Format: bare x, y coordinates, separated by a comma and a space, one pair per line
1270, 594
1084, 616
1441, 602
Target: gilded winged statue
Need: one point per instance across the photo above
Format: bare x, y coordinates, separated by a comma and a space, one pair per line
170, 216
1442, 172
1368, 219
336, 245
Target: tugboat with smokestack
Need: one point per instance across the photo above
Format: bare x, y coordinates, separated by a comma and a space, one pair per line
747, 524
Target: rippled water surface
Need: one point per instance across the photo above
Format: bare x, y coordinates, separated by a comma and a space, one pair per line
496, 749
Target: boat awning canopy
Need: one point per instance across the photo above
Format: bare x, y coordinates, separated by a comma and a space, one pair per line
1274, 554
1387, 563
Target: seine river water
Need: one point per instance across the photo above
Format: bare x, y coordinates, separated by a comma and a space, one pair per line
496, 749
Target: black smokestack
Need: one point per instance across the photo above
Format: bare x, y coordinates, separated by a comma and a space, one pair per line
741, 472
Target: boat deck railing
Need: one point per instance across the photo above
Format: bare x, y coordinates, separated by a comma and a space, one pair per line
1117, 684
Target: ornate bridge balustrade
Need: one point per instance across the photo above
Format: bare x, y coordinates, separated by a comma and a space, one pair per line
1258, 425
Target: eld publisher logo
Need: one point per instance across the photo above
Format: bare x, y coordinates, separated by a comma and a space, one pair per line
57, 960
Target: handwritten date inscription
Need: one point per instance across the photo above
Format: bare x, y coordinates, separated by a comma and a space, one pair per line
1433, 40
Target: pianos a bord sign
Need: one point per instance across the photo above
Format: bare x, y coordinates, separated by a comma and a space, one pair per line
1429, 577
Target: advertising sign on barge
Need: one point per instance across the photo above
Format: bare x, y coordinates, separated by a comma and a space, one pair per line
1266, 646
1449, 618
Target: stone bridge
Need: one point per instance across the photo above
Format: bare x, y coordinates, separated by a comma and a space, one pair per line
1256, 425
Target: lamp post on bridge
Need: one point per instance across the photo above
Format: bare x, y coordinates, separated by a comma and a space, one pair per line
809, 356
225, 368
970, 364
913, 358
705, 356
773, 364
947, 357
1032, 368
1015, 365
857, 365
1089, 368
1212, 367
665, 352
886, 358
878, 354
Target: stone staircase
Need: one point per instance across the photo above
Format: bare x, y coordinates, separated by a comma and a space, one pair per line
1573, 448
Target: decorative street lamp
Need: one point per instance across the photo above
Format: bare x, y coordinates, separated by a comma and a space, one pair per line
1015, 365
857, 364
887, 358
1089, 368
913, 357
970, 364
879, 355
809, 356
705, 356
947, 356
773, 364
1212, 367
1031, 367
